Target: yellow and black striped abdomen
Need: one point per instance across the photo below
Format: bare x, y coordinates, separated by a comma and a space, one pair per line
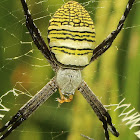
71, 35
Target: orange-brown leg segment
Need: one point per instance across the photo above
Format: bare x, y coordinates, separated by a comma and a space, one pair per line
63, 98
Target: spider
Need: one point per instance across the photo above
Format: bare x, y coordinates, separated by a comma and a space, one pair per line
71, 37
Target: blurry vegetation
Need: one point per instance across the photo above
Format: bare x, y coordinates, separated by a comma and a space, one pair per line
114, 76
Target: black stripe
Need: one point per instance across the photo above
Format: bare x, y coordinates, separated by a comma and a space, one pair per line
60, 17
54, 25
84, 39
71, 48
74, 35
70, 31
61, 22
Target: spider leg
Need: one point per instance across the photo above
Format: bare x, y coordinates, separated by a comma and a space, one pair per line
9, 123
101, 118
36, 36
64, 99
27, 110
101, 48
99, 109
12, 124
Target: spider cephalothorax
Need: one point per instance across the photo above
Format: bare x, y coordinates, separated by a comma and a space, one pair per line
68, 80
71, 36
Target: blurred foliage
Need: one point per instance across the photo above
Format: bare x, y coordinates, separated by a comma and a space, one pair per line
114, 76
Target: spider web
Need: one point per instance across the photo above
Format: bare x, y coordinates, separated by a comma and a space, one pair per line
114, 78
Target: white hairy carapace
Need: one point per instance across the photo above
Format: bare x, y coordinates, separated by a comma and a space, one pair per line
68, 80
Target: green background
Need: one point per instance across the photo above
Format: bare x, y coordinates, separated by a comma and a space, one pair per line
113, 77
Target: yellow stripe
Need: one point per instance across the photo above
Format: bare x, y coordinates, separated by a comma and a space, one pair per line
71, 52
68, 27
71, 32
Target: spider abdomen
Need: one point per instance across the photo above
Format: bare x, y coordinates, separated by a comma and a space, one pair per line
71, 35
